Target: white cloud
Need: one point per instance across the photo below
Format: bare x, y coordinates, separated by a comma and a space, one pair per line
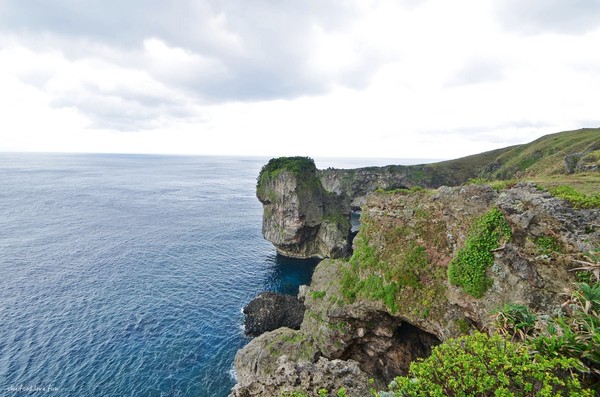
431, 79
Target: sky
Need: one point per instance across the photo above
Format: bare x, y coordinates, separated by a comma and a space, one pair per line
429, 79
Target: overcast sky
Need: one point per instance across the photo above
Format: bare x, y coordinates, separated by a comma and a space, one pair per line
396, 79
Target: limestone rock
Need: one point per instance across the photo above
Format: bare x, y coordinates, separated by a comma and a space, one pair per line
285, 360
355, 314
300, 218
426, 308
269, 311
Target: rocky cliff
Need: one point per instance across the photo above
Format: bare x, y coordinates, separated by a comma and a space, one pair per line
307, 211
300, 217
427, 265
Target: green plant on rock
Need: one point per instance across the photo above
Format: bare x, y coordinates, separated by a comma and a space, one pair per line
515, 320
497, 185
574, 334
469, 266
480, 365
341, 392
297, 165
577, 334
547, 245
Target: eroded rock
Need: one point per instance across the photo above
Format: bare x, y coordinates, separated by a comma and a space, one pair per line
269, 311
285, 361
300, 218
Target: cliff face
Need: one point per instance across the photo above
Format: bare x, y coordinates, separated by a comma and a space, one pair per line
408, 285
299, 217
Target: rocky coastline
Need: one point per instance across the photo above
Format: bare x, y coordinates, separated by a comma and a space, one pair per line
382, 299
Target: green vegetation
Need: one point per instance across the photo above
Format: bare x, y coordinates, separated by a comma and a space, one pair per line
480, 365
402, 190
302, 167
574, 335
318, 294
293, 341
547, 245
547, 155
468, 268
549, 160
576, 198
515, 320
297, 165
382, 280
321, 393
496, 185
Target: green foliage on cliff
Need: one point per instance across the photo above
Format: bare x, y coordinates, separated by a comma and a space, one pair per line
570, 157
576, 198
298, 165
575, 334
302, 167
480, 365
468, 268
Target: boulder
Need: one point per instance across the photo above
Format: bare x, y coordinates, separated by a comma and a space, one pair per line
270, 311
285, 361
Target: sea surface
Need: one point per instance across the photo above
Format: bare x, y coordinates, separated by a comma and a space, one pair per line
125, 275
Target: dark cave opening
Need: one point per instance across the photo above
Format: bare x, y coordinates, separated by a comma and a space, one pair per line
383, 355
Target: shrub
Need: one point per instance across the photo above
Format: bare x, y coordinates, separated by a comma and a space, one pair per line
469, 266
479, 365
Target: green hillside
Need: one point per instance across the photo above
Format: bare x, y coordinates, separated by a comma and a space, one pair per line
566, 158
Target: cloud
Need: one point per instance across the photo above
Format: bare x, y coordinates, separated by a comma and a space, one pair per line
425, 78
549, 16
478, 71
243, 50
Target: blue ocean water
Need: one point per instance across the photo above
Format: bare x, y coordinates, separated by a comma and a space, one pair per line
125, 275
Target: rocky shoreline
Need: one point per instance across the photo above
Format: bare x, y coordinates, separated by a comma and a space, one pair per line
369, 315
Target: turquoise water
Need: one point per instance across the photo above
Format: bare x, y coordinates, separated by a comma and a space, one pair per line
125, 275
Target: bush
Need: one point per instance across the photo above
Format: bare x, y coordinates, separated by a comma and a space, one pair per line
479, 365
547, 245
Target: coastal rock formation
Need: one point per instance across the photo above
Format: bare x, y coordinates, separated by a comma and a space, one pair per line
269, 311
299, 217
408, 240
284, 361
394, 299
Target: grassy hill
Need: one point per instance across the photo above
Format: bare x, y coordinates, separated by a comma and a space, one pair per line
569, 158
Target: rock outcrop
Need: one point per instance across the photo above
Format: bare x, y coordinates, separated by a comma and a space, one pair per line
392, 301
299, 217
284, 361
269, 311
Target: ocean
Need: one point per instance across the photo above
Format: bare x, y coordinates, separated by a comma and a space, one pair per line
125, 275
